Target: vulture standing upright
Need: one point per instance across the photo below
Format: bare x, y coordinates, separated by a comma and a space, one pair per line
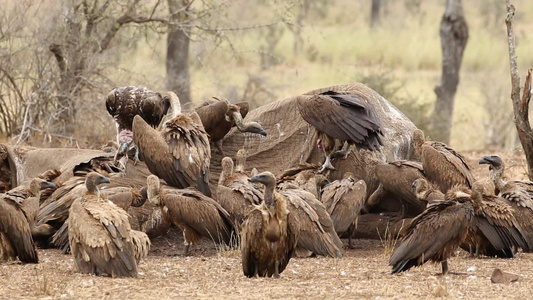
180, 153
18, 208
100, 235
124, 103
342, 118
442, 165
194, 213
219, 116
344, 199
435, 234
269, 235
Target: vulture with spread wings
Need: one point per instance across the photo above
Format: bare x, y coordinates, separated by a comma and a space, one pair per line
342, 118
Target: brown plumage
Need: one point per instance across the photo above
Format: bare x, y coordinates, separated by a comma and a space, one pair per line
346, 117
124, 103
100, 235
427, 192
435, 234
442, 165
395, 180
180, 154
344, 199
194, 213
235, 193
269, 235
219, 116
18, 208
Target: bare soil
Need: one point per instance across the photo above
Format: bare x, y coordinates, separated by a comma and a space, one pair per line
210, 273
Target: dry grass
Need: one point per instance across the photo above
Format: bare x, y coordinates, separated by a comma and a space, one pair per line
362, 272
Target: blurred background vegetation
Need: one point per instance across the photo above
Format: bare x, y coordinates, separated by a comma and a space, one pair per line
253, 50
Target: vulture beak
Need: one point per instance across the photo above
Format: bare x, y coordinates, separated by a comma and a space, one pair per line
47, 184
254, 179
262, 132
123, 149
413, 185
103, 179
485, 160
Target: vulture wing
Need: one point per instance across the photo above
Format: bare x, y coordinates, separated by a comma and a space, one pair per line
213, 119
444, 167
244, 107
520, 192
14, 225
343, 116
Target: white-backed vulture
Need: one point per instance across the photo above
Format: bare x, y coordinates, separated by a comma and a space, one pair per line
395, 180
219, 116
235, 193
435, 234
442, 165
427, 192
268, 236
180, 153
124, 103
344, 199
18, 209
194, 213
100, 235
343, 117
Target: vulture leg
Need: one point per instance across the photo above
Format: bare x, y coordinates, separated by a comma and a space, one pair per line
327, 165
350, 244
445, 267
218, 144
136, 156
276, 269
343, 152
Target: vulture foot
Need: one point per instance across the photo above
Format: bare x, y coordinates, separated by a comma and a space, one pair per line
218, 145
342, 153
326, 166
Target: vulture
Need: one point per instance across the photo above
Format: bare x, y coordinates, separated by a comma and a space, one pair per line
218, 117
124, 103
494, 230
235, 193
180, 153
442, 165
269, 234
100, 235
342, 119
395, 180
435, 234
344, 199
427, 192
194, 213
18, 208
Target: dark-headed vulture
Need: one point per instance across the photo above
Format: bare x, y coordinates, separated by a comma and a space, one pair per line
180, 153
100, 236
194, 213
124, 103
344, 199
235, 193
342, 118
219, 116
435, 234
269, 234
442, 165
18, 209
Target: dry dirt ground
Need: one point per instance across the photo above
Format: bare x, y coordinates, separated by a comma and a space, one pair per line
362, 273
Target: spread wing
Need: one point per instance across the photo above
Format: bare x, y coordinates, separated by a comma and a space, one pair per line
212, 114
99, 236
343, 116
57, 211
14, 225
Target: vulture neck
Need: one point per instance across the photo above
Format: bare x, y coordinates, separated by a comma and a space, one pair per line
227, 171
269, 194
239, 122
35, 188
496, 177
239, 167
153, 194
92, 188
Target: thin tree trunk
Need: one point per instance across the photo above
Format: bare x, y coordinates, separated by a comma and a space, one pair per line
178, 78
375, 19
520, 104
453, 35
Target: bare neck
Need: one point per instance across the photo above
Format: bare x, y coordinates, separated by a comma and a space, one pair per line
496, 177
269, 194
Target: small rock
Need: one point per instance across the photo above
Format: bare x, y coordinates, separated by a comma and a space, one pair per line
499, 276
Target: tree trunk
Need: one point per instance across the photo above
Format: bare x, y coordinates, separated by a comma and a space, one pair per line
453, 35
520, 104
178, 78
374, 13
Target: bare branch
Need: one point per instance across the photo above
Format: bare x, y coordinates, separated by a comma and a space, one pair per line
13, 83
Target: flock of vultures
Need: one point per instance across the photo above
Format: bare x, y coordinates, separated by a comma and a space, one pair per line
105, 219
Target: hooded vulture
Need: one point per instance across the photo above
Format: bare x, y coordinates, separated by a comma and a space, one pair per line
194, 213
435, 234
219, 116
395, 180
18, 208
344, 199
269, 235
235, 193
442, 165
342, 119
180, 153
100, 236
494, 230
124, 103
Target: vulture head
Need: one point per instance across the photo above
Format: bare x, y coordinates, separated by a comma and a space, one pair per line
94, 179
420, 185
38, 184
266, 178
153, 187
252, 127
459, 193
227, 169
240, 160
494, 162
418, 139
483, 187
